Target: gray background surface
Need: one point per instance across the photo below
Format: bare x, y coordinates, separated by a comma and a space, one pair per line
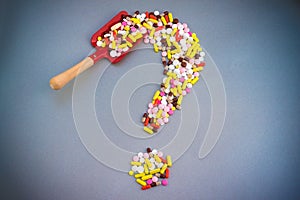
256, 47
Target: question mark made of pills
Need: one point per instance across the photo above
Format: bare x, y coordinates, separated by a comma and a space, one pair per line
97, 143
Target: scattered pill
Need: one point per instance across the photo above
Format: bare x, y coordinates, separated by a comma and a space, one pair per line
153, 176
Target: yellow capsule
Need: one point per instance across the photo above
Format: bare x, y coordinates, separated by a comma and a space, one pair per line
163, 169
174, 31
154, 171
136, 163
157, 159
126, 28
128, 43
153, 20
169, 161
156, 94
159, 97
173, 108
152, 32
113, 44
146, 170
158, 114
170, 17
179, 100
139, 175
138, 35
132, 38
148, 130
146, 177
147, 161
155, 48
121, 46
195, 80
135, 20
168, 40
131, 173
142, 183
163, 20
179, 89
169, 54
116, 26
147, 26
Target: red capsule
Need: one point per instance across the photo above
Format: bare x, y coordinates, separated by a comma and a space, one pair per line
167, 173
146, 121
146, 187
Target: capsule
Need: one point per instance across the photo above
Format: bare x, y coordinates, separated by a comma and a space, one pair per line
163, 169
139, 175
139, 181
169, 161
155, 184
148, 130
154, 171
136, 163
158, 175
146, 121
146, 177
157, 159
167, 173
146, 187
144, 117
146, 170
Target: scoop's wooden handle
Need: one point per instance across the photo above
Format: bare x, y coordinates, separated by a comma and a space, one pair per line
60, 80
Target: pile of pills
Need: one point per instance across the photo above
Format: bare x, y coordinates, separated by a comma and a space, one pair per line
182, 58
150, 169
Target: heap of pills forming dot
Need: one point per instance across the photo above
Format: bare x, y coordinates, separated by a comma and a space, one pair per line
182, 58
150, 169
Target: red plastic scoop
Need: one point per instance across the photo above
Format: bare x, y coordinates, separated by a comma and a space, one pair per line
60, 80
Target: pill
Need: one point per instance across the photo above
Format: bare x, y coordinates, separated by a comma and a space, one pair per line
146, 170
135, 163
148, 130
146, 187
163, 169
146, 177
141, 182
131, 173
139, 175
169, 161
154, 171
167, 173
164, 182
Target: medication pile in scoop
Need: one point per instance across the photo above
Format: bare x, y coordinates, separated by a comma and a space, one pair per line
182, 58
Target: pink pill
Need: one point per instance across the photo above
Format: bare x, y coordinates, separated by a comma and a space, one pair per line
150, 111
162, 94
163, 114
133, 29
150, 105
166, 109
152, 41
190, 33
186, 30
146, 155
188, 90
183, 93
172, 86
154, 179
171, 112
176, 82
166, 120
181, 79
170, 105
164, 182
164, 54
182, 70
156, 34
160, 121
160, 154
124, 23
184, 25
154, 110
149, 181
196, 74
191, 61
172, 81
135, 158
161, 106
146, 40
